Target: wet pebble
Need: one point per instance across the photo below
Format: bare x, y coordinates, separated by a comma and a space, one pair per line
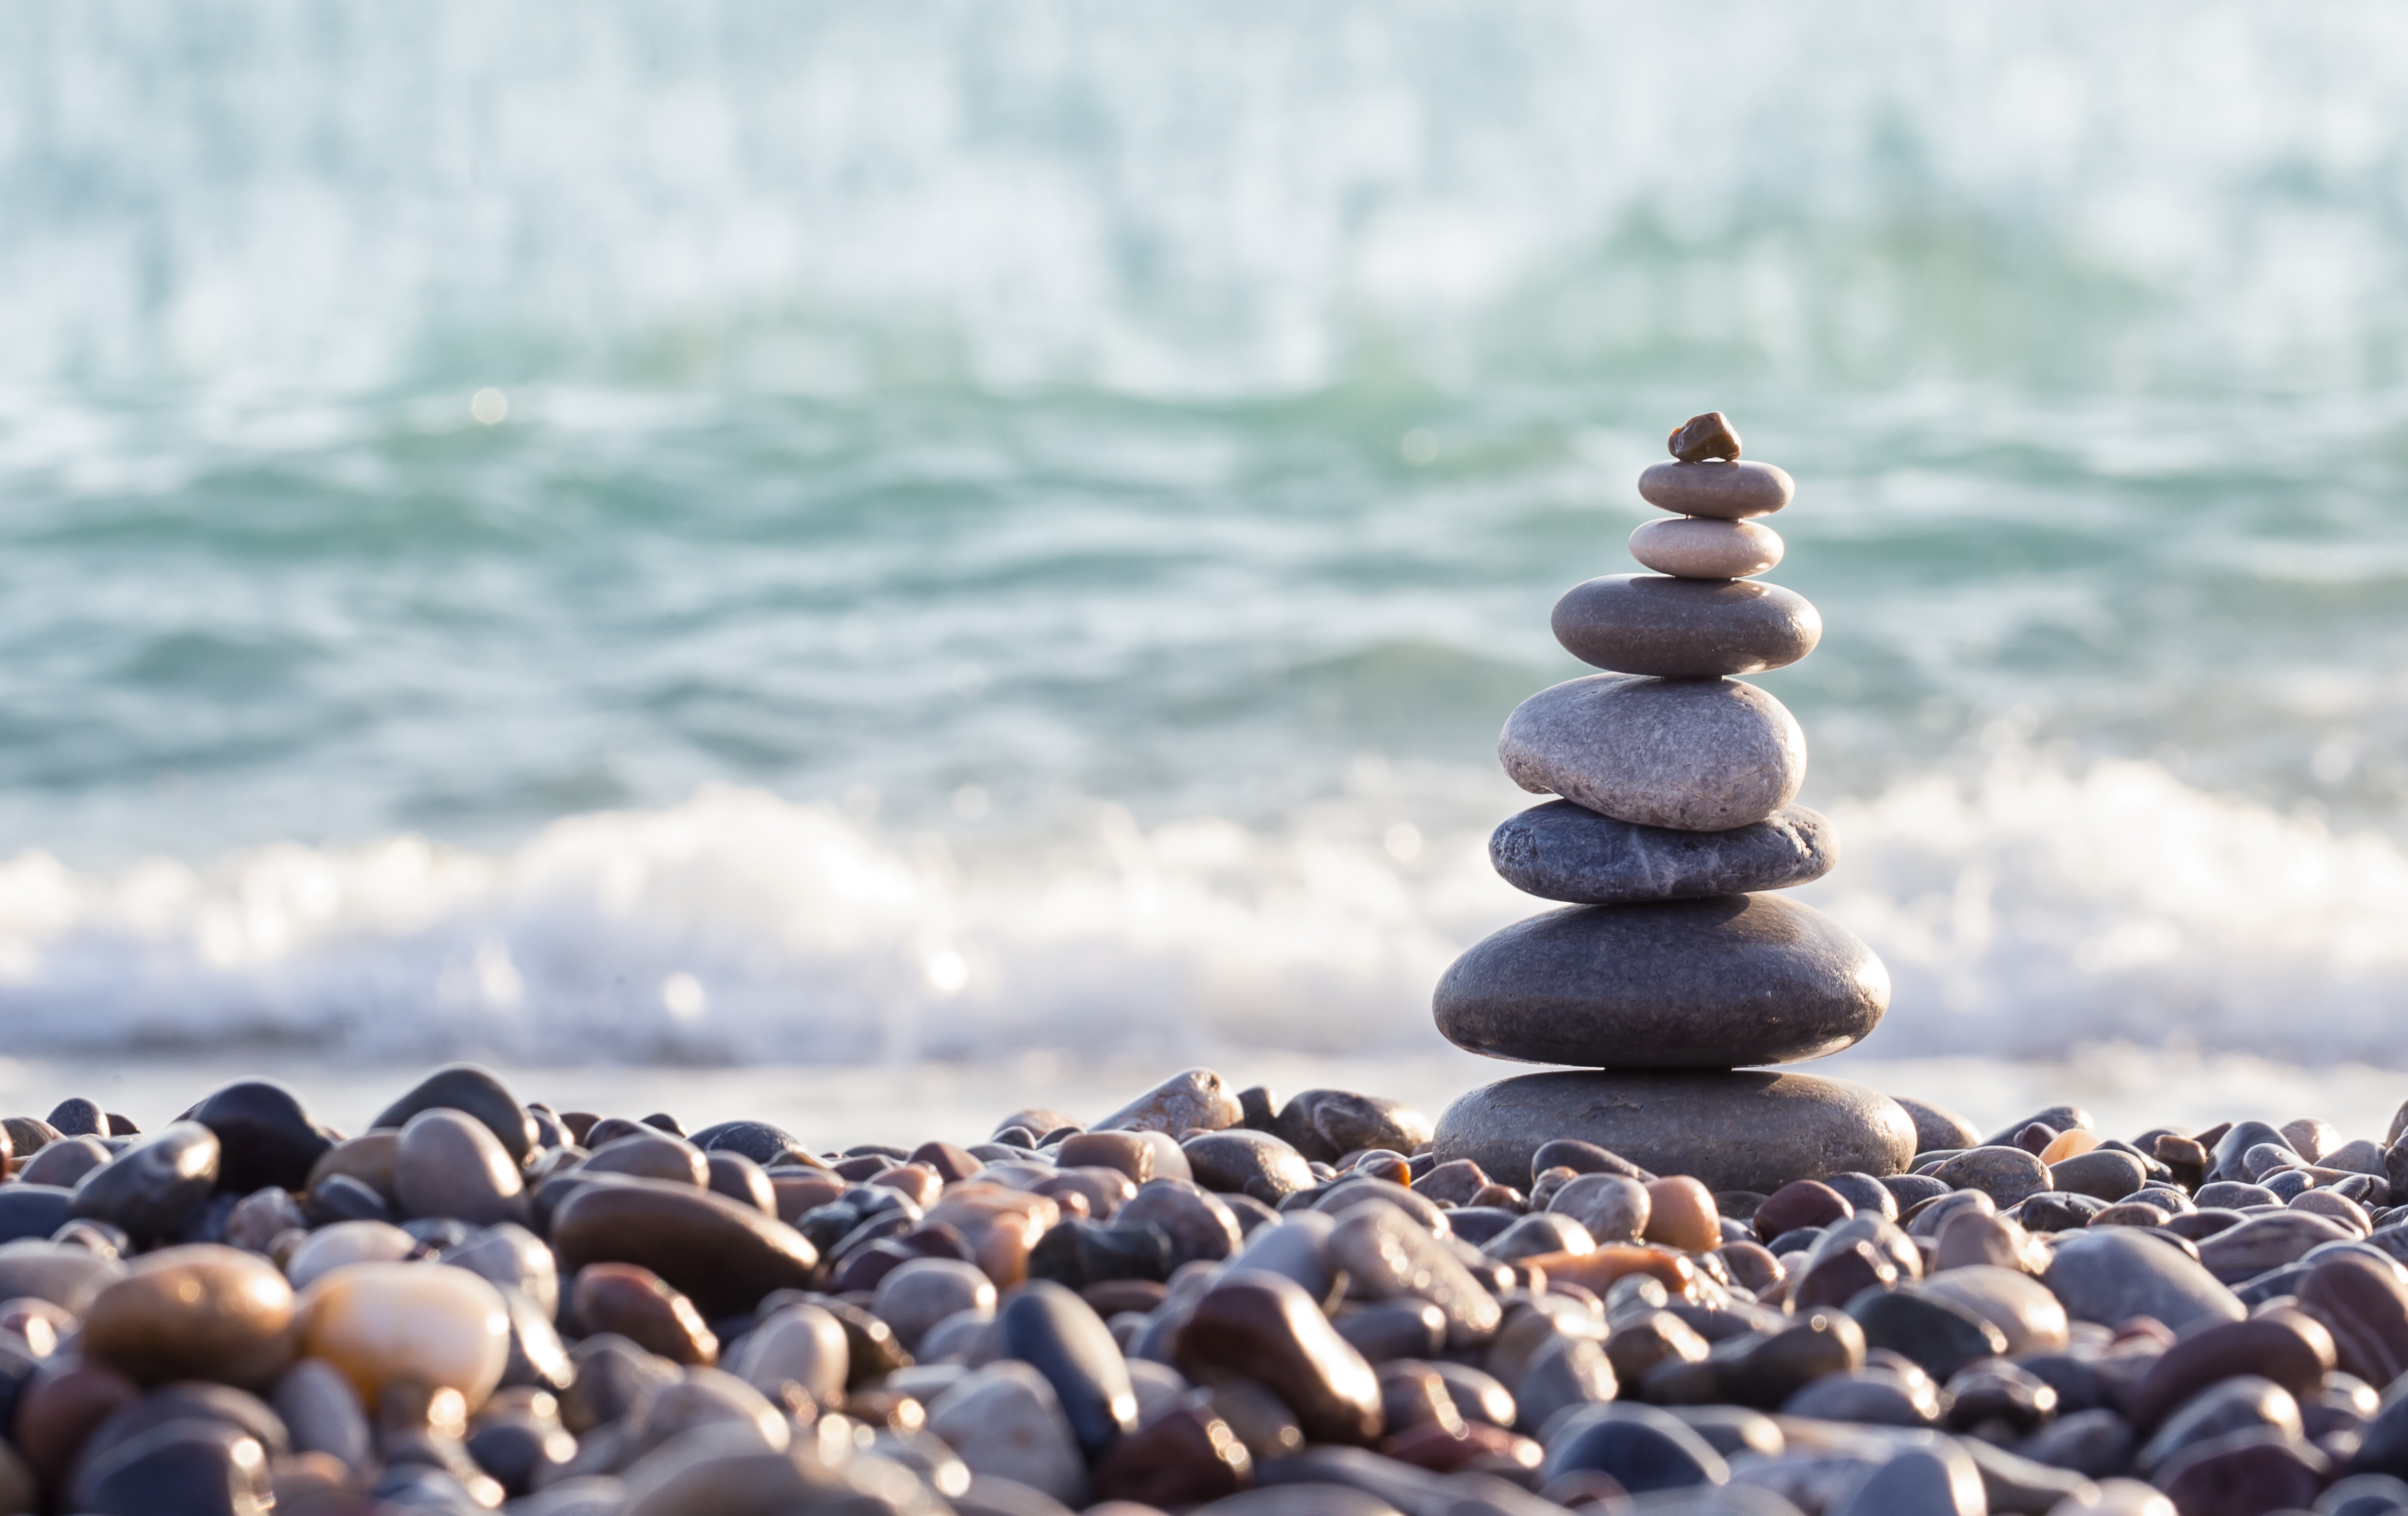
1266, 1327
1006, 1420
2005, 1174
199, 1312
473, 1092
380, 1322
266, 1135
918, 1294
637, 1304
154, 1188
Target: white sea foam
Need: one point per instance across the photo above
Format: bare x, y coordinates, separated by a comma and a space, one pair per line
2027, 912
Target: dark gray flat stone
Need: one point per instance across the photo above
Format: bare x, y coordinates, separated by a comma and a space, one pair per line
1733, 1131
1716, 983
1684, 628
1697, 755
1563, 852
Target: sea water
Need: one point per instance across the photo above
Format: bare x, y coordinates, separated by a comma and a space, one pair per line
739, 534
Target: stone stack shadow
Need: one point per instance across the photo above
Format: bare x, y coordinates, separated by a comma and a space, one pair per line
1671, 971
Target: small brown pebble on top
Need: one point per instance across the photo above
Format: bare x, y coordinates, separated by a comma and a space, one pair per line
1701, 438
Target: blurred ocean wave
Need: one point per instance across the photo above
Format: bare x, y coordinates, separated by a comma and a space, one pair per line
1060, 488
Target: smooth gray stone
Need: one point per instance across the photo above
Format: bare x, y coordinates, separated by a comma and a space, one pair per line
1733, 1131
1696, 755
1684, 628
1563, 852
1715, 983
1725, 491
1936, 1126
2110, 1276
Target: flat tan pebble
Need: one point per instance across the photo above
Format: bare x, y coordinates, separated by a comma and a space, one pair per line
380, 1322
329, 1248
197, 1312
1702, 548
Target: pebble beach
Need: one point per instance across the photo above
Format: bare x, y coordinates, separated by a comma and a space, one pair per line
818, 761
1211, 1299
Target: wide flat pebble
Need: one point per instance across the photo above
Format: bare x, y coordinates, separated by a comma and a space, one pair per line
1727, 491
1563, 852
1684, 628
1708, 983
1697, 755
1702, 548
1731, 1131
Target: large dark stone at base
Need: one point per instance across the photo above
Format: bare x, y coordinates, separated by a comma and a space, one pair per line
1563, 852
1715, 983
1733, 1131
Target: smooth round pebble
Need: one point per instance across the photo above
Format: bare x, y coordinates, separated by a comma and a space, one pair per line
196, 1312
448, 1164
330, 1248
917, 1296
1697, 755
1725, 490
382, 1323
1702, 548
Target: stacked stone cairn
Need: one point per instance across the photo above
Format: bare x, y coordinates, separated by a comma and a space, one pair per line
1672, 970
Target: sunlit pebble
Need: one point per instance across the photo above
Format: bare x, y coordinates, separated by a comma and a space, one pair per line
489, 405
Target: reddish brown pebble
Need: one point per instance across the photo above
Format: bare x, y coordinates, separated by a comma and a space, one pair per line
1681, 1214
1804, 1203
634, 1302
1701, 438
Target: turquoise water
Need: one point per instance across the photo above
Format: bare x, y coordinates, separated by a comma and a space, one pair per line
1003, 527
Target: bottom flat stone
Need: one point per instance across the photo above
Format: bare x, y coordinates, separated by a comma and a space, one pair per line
1735, 1131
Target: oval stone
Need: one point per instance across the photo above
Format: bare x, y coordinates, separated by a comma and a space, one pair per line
1725, 490
1054, 1332
450, 1165
32, 1213
155, 1188
1702, 548
199, 1312
1711, 983
1264, 1326
474, 1090
1696, 755
1241, 1162
265, 1136
1730, 1130
382, 1323
1684, 628
1562, 852
722, 1254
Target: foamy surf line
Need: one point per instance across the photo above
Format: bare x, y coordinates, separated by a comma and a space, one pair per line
2023, 913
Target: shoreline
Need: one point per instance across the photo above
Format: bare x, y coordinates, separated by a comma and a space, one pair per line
2125, 1089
